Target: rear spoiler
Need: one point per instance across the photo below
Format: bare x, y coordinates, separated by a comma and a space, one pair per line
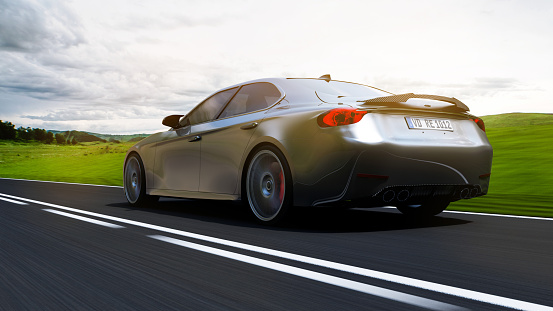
404, 97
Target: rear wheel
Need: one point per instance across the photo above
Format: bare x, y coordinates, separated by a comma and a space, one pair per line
135, 183
268, 185
426, 209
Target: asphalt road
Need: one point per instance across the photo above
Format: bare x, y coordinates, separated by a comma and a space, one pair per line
79, 247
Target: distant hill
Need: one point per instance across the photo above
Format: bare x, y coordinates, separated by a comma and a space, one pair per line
121, 138
89, 136
517, 119
81, 137
136, 139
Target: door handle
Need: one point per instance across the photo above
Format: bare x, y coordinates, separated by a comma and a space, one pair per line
249, 126
195, 138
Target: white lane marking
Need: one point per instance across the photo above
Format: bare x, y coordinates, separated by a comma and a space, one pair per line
316, 276
500, 215
436, 287
61, 182
446, 211
13, 201
483, 214
94, 221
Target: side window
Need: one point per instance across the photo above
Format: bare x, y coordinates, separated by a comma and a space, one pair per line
252, 97
209, 108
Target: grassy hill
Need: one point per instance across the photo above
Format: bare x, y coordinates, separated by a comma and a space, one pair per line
522, 167
81, 137
523, 153
517, 120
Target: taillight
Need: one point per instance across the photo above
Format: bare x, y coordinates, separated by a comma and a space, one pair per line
480, 123
340, 116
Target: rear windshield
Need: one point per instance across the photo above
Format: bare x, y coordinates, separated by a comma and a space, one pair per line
340, 88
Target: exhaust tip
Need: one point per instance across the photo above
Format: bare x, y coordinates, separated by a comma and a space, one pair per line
388, 196
403, 195
465, 193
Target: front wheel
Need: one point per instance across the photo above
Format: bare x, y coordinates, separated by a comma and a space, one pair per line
426, 209
135, 183
268, 185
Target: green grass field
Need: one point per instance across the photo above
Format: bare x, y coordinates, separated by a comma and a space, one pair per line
522, 168
90, 163
521, 181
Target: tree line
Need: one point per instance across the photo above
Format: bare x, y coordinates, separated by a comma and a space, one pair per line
9, 132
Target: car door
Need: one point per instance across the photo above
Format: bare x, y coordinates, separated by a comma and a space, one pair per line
178, 157
224, 140
177, 161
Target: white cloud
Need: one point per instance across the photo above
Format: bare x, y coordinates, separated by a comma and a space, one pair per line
100, 64
30, 26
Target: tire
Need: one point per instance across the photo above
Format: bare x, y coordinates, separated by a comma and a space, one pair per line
134, 182
427, 209
268, 185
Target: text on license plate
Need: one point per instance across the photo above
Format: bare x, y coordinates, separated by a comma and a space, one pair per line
429, 124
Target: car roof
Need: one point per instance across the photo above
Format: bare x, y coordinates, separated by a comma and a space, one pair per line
306, 89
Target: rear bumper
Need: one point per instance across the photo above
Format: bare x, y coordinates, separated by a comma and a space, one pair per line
388, 174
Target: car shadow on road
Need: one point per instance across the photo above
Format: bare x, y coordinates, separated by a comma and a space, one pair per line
299, 219
329, 219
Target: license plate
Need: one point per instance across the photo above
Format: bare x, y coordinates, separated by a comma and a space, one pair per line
429, 124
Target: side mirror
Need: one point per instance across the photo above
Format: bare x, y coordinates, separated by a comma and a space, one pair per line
172, 120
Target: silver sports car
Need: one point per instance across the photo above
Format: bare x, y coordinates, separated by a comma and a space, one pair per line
282, 142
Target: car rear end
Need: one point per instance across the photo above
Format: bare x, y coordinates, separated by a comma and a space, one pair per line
412, 156
368, 147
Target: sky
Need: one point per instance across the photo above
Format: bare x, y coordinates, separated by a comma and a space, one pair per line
119, 67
